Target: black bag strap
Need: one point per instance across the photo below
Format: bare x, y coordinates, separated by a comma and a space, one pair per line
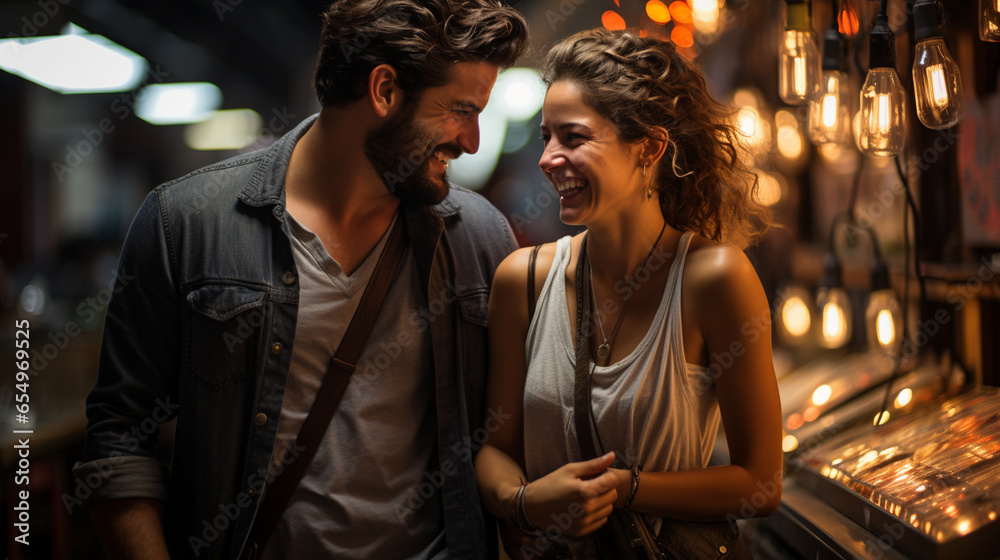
581, 395
334, 385
531, 281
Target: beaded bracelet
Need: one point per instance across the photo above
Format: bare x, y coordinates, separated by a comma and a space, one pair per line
635, 487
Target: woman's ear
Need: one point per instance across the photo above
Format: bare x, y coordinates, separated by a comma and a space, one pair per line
653, 146
383, 90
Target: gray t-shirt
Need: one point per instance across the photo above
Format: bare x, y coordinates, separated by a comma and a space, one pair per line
366, 493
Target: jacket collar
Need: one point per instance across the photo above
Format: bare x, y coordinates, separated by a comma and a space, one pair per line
267, 185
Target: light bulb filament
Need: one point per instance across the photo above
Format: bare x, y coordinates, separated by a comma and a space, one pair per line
830, 110
937, 85
833, 321
800, 76
885, 327
881, 115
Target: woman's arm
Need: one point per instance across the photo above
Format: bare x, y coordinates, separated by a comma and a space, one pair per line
499, 464
728, 306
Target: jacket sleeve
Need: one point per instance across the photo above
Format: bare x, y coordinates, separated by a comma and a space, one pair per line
138, 366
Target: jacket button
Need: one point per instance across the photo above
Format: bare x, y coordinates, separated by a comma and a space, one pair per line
722, 550
251, 491
289, 277
276, 348
279, 211
260, 419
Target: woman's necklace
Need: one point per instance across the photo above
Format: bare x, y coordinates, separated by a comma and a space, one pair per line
604, 349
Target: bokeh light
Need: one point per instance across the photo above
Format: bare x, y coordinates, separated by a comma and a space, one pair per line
658, 11
682, 37
681, 12
611, 20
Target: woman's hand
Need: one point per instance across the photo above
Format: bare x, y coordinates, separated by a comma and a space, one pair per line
576, 499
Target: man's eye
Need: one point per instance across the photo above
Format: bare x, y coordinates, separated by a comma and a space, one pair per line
545, 138
574, 136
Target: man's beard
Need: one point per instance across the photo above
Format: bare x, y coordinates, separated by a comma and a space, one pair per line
400, 151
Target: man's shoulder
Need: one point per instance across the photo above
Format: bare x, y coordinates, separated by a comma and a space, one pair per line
476, 228
214, 183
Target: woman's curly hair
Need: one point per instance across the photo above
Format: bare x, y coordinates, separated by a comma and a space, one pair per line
639, 83
422, 40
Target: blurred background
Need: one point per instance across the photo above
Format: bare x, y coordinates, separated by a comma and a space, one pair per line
882, 272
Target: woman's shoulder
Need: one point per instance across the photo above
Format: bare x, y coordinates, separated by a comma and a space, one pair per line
513, 271
711, 265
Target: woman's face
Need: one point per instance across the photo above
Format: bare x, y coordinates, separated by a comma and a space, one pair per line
592, 170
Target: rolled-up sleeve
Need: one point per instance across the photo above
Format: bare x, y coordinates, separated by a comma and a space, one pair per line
140, 354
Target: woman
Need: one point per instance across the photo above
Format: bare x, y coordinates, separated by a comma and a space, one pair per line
641, 155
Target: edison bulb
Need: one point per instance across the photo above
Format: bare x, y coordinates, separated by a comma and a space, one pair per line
800, 67
835, 317
937, 85
883, 320
883, 106
829, 110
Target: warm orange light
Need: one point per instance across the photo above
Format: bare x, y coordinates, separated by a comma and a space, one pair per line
682, 37
848, 21
810, 414
618, 4
681, 12
613, 21
795, 421
658, 11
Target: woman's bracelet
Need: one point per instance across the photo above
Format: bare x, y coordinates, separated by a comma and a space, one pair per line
635, 487
519, 518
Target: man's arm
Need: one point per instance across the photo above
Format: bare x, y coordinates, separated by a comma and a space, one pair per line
124, 481
130, 529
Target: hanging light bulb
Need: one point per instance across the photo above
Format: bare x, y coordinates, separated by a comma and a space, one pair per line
883, 101
937, 84
883, 317
834, 306
800, 63
989, 20
829, 109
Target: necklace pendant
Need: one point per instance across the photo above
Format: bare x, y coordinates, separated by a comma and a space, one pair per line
603, 350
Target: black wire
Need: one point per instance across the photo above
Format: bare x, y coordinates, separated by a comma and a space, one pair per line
909, 207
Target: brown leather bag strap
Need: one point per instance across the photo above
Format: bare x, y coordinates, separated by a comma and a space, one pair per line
584, 326
531, 281
335, 383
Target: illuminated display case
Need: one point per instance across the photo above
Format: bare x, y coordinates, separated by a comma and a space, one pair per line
927, 482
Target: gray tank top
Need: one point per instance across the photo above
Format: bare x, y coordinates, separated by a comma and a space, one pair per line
651, 407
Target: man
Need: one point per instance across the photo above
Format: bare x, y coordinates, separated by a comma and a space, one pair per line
246, 274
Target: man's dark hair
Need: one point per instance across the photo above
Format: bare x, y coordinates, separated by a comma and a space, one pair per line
422, 40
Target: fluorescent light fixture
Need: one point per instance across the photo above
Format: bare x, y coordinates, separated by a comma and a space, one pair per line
178, 103
474, 170
521, 91
232, 129
73, 63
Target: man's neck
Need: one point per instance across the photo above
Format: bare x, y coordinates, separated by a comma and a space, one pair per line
330, 175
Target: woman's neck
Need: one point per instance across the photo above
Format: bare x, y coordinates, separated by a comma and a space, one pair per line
618, 247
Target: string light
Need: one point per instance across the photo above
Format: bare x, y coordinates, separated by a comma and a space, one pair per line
937, 84
829, 109
883, 102
883, 316
800, 62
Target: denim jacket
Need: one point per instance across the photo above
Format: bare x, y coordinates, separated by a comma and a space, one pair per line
204, 333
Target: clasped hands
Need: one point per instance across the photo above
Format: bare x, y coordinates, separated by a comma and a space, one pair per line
577, 498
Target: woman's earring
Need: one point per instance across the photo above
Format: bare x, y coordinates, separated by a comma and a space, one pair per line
649, 188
